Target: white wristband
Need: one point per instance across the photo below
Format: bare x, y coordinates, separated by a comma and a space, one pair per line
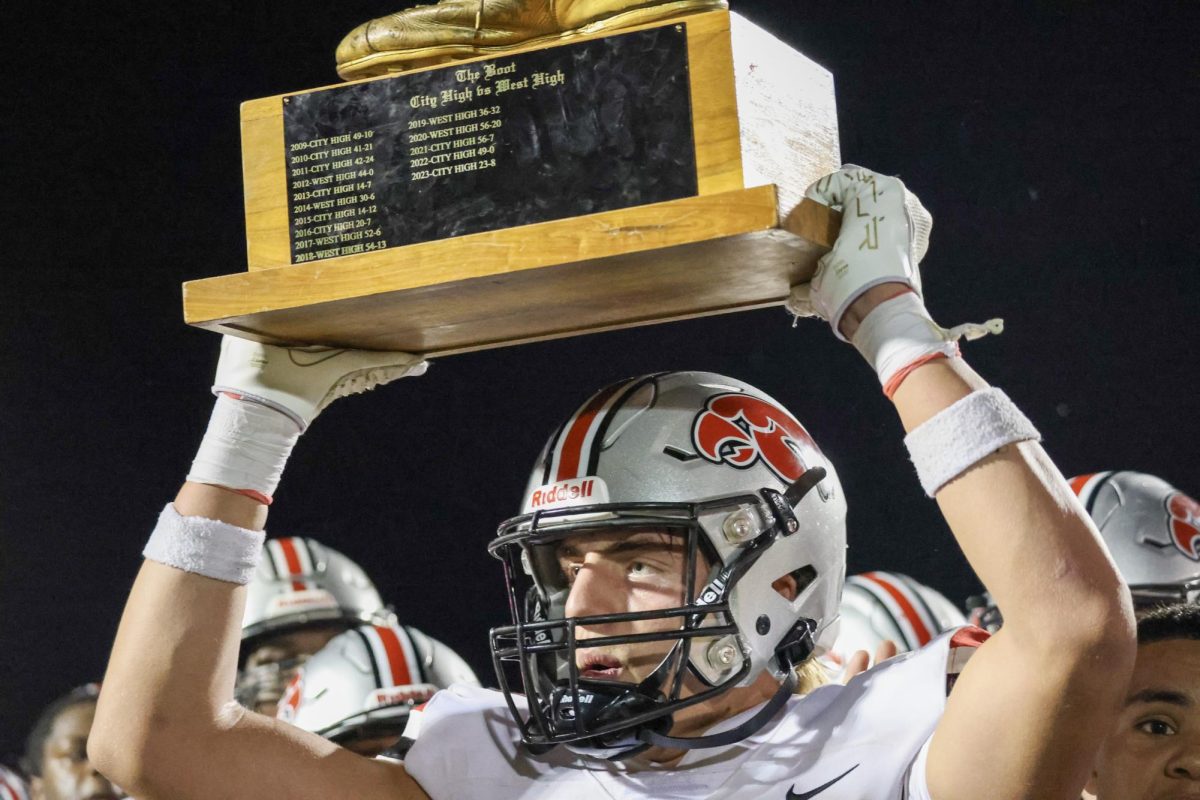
899, 334
956, 438
205, 547
246, 446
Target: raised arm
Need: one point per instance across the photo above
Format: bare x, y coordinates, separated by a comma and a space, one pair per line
1029, 712
167, 726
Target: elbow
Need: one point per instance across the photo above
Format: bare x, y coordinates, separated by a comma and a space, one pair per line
1093, 632
111, 758
118, 753
131, 749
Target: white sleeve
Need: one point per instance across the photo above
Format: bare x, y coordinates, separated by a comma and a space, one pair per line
915, 785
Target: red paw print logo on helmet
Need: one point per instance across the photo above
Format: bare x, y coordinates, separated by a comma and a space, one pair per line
1185, 524
740, 430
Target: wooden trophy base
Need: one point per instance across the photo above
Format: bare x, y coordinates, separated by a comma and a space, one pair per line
761, 114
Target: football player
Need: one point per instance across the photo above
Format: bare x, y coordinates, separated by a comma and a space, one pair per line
678, 561
361, 688
1152, 530
302, 595
1154, 749
56, 756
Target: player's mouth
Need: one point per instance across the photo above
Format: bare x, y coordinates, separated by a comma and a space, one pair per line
599, 667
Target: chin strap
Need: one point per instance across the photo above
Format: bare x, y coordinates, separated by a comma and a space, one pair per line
733, 735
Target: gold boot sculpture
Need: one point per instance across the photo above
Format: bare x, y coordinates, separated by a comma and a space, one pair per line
457, 29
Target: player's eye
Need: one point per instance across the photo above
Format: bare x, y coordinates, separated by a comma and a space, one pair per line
1156, 727
640, 568
571, 570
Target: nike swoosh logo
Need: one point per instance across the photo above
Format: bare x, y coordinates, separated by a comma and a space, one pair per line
313, 357
794, 795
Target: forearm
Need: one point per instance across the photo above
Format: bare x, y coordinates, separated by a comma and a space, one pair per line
174, 662
1012, 513
1020, 527
166, 724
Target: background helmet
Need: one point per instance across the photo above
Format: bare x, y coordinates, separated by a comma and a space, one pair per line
363, 684
12, 786
887, 605
725, 466
1152, 530
300, 582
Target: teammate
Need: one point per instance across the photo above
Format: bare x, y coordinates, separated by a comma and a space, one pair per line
361, 688
12, 786
303, 594
1152, 530
681, 554
56, 756
1154, 750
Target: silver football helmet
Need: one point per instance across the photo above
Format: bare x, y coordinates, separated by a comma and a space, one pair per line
301, 581
12, 785
742, 483
1152, 530
363, 684
299, 584
879, 606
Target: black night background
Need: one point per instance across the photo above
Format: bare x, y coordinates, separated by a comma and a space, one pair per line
1054, 146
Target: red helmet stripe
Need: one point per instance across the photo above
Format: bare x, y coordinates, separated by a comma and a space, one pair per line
578, 435
1079, 482
911, 615
288, 546
397, 662
1086, 487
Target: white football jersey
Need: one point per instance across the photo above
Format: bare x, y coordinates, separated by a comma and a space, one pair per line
855, 742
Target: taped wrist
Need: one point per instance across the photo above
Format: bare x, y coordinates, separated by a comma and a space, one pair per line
205, 547
963, 434
899, 335
245, 447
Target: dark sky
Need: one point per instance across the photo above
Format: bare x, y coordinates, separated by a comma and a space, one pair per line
1054, 147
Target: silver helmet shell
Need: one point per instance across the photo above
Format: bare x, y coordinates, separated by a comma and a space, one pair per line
364, 683
879, 606
1152, 530
301, 582
12, 785
698, 451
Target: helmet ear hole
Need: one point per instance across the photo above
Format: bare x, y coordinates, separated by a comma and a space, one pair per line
790, 585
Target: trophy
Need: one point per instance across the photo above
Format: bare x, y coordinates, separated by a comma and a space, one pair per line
563, 186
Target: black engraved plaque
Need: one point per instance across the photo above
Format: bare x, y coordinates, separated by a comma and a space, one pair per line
555, 133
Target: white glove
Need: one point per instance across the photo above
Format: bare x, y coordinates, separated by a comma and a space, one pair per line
267, 396
884, 236
301, 381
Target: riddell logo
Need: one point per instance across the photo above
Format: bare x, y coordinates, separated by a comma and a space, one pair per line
739, 430
565, 494
309, 599
411, 695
